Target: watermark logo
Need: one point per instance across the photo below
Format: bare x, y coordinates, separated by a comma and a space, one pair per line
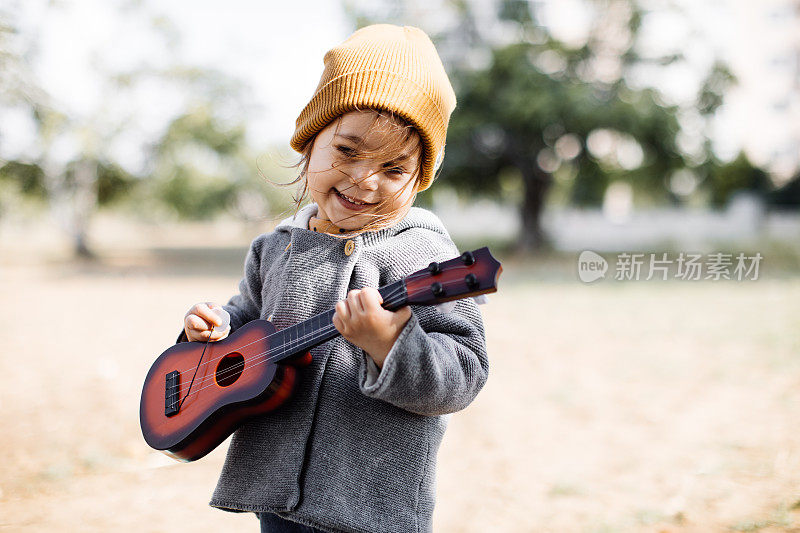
591, 266
686, 266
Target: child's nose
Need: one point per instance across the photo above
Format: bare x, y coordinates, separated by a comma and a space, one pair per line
366, 177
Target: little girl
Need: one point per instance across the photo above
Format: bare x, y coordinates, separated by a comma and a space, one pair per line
354, 447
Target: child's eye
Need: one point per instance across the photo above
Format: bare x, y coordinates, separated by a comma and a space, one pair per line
397, 171
346, 150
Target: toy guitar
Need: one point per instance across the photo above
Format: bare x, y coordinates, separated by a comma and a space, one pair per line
197, 393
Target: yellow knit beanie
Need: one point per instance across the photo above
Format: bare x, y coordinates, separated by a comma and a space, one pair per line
390, 68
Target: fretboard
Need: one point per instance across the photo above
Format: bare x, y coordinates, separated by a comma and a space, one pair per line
312, 332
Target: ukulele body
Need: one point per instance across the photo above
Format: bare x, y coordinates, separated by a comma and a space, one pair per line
234, 382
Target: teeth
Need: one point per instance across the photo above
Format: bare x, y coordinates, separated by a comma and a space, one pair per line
351, 199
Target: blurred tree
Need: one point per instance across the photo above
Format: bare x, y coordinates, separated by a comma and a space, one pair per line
84, 176
787, 196
17, 84
18, 179
534, 112
73, 162
196, 165
28, 177
718, 179
69, 165
202, 165
515, 117
725, 179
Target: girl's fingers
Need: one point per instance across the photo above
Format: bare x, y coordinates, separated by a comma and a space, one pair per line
371, 298
205, 334
217, 335
342, 310
205, 312
354, 298
340, 316
197, 323
363, 305
197, 336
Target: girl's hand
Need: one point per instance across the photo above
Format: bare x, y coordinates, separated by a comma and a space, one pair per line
361, 320
199, 322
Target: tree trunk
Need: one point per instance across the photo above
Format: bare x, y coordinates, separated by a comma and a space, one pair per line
537, 183
71, 204
83, 205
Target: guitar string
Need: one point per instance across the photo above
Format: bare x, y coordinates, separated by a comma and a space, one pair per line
279, 351
283, 349
180, 404
392, 294
390, 299
263, 360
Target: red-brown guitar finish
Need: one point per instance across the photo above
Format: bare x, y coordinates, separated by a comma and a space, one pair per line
207, 416
253, 370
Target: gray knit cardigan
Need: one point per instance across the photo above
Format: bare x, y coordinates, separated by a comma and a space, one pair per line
354, 447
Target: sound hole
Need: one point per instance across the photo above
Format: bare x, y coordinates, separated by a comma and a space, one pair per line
229, 369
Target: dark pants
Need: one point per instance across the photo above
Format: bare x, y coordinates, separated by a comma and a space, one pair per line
272, 523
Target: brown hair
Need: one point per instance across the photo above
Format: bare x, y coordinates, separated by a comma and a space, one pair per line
405, 136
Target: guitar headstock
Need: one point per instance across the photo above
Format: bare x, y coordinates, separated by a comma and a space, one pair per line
470, 274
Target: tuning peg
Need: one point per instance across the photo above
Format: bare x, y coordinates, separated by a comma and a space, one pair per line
468, 258
471, 280
434, 268
437, 288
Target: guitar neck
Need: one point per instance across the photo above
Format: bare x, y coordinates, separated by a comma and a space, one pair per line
470, 274
318, 329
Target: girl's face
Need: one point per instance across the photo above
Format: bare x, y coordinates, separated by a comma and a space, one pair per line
337, 176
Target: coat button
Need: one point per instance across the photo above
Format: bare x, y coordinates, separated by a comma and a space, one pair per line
349, 246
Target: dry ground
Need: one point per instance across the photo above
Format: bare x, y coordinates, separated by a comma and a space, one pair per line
649, 406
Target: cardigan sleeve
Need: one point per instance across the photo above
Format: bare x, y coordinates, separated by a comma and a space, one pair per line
436, 366
246, 305
439, 362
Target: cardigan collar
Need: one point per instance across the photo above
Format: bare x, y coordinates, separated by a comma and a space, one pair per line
325, 226
299, 220
415, 218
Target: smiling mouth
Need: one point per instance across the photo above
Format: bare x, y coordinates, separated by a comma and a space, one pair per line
352, 200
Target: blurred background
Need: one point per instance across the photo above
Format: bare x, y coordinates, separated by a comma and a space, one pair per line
138, 143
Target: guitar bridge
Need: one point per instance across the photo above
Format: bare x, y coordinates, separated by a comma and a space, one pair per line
172, 393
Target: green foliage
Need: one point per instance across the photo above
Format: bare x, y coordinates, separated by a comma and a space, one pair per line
516, 10
712, 93
113, 183
200, 127
526, 118
786, 197
28, 178
192, 196
511, 111
21, 187
197, 165
739, 174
